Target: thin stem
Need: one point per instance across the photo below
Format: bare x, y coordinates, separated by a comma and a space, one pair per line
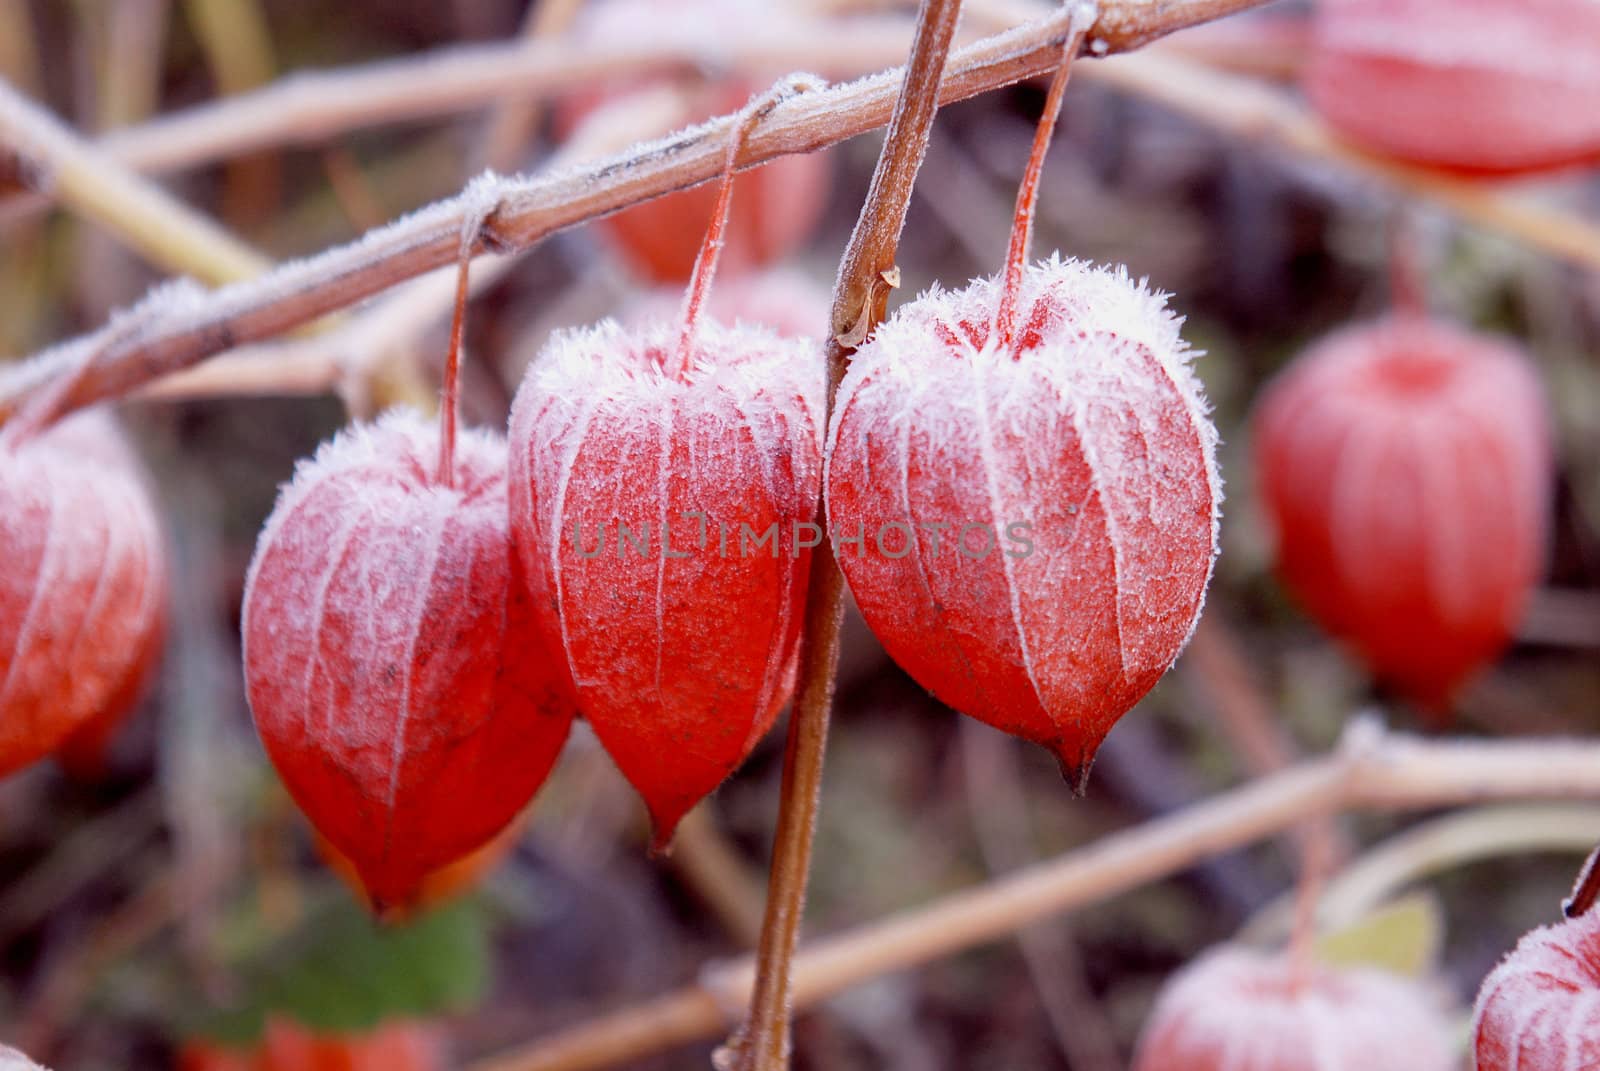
1083, 16
763, 1043
860, 298
1585, 889
1408, 279
705, 262
1372, 771
1316, 857
1382, 871
450, 394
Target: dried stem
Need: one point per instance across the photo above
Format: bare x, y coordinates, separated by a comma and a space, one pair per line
1408, 272
866, 274
19, 57
1217, 658
705, 262
1585, 888
165, 231
1316, 858
1430, 848
450, 393
1371, 771
182, 333
1005, 320
352, 358
134, 34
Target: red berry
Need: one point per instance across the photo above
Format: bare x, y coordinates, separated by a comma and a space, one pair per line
1470, 85
1039, 521
1238, 1010
287, 1046
664, 481
82, 586
391, 662
679, 647
84, 754
1052, 414
1539, 1010
1406, 467
780, 203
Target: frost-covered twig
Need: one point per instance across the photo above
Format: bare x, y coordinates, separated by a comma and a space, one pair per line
309, 107
164, 230
189, 326
1372, 771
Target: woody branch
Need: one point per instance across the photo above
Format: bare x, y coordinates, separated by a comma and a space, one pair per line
177, 329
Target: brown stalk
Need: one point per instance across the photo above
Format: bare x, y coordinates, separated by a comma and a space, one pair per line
866, 275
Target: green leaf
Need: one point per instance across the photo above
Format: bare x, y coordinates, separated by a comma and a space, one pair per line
1402, 936
340, 972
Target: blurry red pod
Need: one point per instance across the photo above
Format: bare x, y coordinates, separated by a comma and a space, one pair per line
214, 1056
1028, 530
780, 204
1539, 1010
84, 753
787, 301
1405, 466
1238, 1010
393, 1046
83, 587
287, 1046
662, 504
392, 664
1485, 86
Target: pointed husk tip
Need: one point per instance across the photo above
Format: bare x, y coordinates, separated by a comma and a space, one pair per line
1076, 763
